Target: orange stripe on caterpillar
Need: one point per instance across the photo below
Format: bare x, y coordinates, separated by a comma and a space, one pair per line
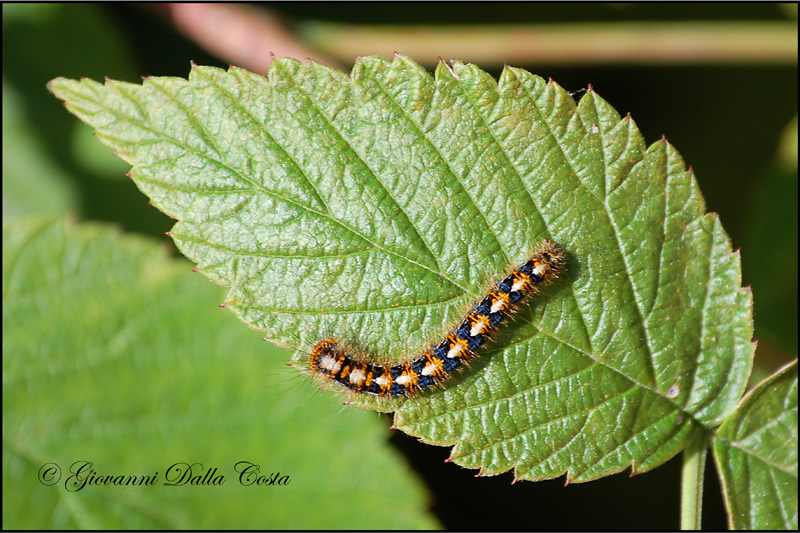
461, 344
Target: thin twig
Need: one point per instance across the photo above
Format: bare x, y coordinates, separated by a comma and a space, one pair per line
564, 44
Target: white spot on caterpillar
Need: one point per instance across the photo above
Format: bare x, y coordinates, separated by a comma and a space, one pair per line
330, 363
456, 349
429, 369
499, 305
478, 327
357, 376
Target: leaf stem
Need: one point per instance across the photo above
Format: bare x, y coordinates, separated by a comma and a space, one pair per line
692, 476
641, 43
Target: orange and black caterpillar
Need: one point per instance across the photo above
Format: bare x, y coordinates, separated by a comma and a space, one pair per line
455, 350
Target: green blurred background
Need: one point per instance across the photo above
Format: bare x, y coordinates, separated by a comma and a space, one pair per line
732, 115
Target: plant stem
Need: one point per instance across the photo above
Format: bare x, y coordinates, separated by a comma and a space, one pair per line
694, 463
642, 43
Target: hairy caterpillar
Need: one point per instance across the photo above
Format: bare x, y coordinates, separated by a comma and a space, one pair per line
460, 345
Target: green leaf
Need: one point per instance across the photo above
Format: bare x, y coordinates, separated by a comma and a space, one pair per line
756, 454
32, 182
375, 208
116, 354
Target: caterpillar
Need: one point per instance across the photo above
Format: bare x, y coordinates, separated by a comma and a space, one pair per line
459, 346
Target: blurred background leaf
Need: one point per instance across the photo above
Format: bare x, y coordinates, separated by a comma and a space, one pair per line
116, 354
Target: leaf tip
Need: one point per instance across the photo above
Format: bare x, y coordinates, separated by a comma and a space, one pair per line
192, 64
450, 68
224, 304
